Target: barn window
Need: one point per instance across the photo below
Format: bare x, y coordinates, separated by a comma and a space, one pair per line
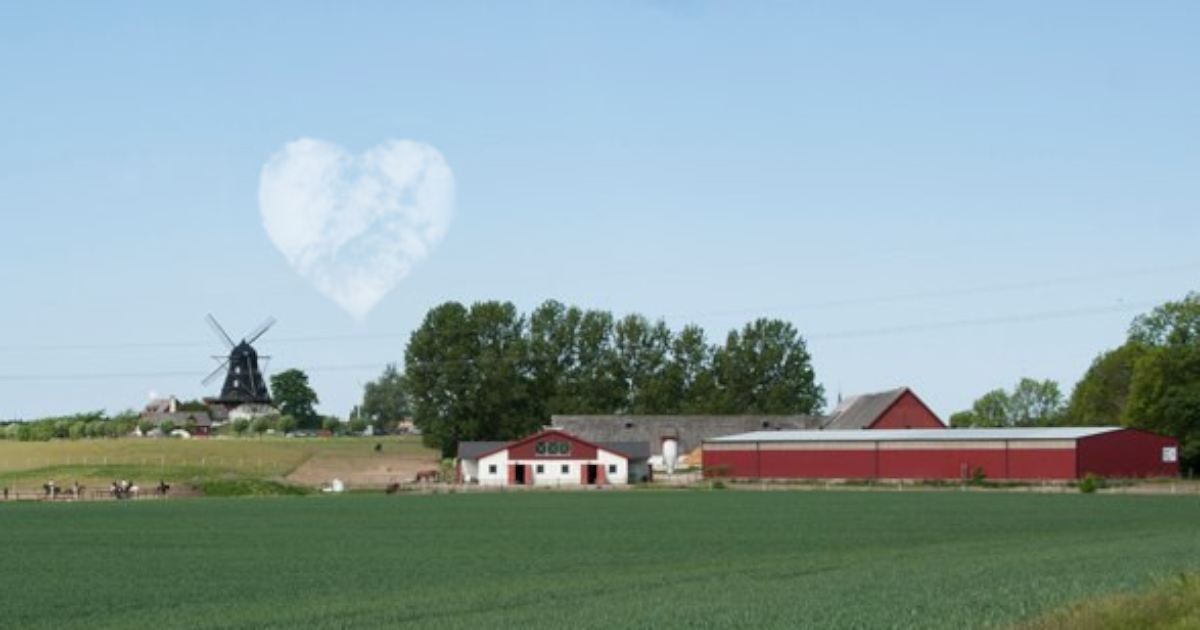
612, 469
628, 425
492, 469
541, 469
566, 468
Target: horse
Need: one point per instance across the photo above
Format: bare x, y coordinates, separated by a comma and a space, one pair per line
392, 488
431, 476
163, 488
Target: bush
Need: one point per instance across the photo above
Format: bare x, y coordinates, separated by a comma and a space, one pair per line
716, 472
978, 477
1091, 483
249, 488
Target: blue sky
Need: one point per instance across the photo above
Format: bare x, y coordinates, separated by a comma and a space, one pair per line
943, 195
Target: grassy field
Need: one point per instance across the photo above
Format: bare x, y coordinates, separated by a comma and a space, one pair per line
96, 463
586, 559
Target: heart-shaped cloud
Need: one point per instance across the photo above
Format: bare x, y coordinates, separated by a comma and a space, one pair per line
354, 226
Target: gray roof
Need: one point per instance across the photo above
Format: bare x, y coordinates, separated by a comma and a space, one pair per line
860, 412
690, 431
180, 418
472, 450
632, 450
919, 435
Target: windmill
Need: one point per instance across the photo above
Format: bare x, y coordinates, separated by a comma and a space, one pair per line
244, 383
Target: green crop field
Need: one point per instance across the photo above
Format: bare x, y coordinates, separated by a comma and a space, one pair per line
96, 463
585, 559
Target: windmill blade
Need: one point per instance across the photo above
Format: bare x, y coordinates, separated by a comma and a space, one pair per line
220, 332
220, 369
258, 332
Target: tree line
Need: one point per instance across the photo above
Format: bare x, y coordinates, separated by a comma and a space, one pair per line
489, 372
1151, 382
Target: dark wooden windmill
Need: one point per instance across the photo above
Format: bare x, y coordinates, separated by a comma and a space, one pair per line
244, 382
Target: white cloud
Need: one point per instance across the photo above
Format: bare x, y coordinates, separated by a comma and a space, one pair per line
354, 226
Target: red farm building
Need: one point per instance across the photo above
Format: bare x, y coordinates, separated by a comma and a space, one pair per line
1024, 454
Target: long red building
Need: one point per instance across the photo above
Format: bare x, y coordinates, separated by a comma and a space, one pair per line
1025, 454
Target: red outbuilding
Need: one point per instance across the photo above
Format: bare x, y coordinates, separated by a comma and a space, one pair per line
1024, 454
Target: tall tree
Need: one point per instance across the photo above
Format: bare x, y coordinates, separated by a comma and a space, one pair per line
693, 369
765, 368
385, 400
1164, 396
1171, 324
468, 375
1099, 398
1036, 403
1031, 403
294, 397
644, 356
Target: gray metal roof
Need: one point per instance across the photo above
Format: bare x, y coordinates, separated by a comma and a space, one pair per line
689, 431
920, 435
472, 450
860, 412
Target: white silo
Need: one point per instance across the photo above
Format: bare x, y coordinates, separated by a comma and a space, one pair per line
670, 454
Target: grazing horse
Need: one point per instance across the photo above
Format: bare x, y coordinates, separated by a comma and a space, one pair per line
431, 476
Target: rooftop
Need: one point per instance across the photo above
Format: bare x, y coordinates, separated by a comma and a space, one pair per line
919, 435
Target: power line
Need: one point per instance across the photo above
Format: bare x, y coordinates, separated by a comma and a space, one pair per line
827, 336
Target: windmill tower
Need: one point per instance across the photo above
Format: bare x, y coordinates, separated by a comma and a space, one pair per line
244, 383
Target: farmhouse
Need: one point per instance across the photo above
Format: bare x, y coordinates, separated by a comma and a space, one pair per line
894, 409
1027, 454
552, 458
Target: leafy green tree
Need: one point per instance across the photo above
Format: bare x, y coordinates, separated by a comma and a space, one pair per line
240, 426
643, 352
765, 368
1099, 398
331, 424
1164, 396
1032, 403
286, 424
1171, 324
468, 375
692, 367
260, 425
293, 397
357, 426
1036, 403
385, 400
592, 383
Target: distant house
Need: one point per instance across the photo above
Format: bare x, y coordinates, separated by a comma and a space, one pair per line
163, 411
683, 434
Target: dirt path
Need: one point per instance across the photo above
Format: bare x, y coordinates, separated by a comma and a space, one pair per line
374, 471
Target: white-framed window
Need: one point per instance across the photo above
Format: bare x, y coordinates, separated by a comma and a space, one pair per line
566, 469
492, 469
1170, 455
540, 469
612, 469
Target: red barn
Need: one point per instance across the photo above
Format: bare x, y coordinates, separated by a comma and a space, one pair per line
1027, 454
893, 409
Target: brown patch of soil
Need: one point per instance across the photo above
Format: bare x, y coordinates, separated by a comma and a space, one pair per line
361, 472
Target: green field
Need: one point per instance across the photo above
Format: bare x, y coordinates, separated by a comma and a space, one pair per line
586, 559
96, 463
